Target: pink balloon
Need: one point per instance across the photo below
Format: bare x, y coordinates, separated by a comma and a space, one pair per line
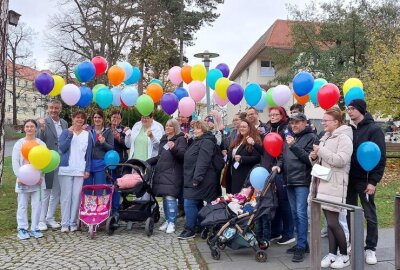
221, 102
281, 94
174, 75
197, 90
186, 106
28, 175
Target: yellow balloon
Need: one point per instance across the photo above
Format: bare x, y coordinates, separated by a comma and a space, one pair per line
221, 87
58, 85
198, 72
351, 83
39, 157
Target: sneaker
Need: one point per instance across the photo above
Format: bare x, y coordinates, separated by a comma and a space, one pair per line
341, 262
170, 228
275, 237
53, 225
299, 255
324, 232
73, 228
42, 226
328, 260
23, 234
370, 257
64, 229
285, 240
293, 249
164, 226
36, 234
186, 234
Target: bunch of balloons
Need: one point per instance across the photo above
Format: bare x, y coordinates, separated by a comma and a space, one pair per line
353, 89
41, 159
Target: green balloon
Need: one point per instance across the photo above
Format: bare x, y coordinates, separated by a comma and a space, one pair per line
270, 101
157, 81
96, 88
54, 162
145, 105
77, 73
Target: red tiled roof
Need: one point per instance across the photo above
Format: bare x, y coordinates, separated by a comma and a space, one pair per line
24, 72
277, 36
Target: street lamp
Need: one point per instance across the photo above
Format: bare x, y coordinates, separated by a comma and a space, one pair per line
13, 17
206, 56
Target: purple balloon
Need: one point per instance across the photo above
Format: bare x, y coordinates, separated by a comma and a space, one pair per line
224, 69
44, 83
169, 102
235, 93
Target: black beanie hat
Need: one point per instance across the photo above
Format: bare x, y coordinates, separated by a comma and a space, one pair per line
360, 105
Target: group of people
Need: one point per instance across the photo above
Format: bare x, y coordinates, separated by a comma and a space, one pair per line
190, 157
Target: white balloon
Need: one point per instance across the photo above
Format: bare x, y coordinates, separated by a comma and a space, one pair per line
127, 68
281, 94
116, 91
129, 95
70, 94
29, 175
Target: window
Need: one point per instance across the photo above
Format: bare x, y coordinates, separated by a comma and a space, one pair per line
267, 69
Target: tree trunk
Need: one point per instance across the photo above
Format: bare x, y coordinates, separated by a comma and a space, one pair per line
3, 76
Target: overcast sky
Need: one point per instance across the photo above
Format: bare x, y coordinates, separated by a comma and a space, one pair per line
240, 24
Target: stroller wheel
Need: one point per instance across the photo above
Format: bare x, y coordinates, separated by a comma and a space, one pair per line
216, 255
261, 256
111, 225
220, 245
149, 226
156, 215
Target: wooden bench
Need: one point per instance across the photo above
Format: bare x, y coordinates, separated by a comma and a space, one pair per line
392, 150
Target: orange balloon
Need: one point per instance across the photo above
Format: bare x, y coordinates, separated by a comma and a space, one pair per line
301, 100
26, 147
186, 74
116, 75
155, 91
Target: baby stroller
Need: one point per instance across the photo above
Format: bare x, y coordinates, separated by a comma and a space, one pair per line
95, 206
138, 202
235, 231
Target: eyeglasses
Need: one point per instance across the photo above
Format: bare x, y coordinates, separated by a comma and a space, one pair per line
349, 109
274, 115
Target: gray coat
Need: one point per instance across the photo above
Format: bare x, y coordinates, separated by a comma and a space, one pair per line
49, 137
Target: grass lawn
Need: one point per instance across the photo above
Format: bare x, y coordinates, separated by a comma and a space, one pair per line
386, 190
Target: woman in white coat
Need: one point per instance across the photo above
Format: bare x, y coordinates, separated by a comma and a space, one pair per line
25, 192
334, 152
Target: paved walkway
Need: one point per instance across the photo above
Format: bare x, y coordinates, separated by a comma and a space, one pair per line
9, 147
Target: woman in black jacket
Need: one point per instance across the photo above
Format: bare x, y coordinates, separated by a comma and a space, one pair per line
242, 156
169, 172
199, 175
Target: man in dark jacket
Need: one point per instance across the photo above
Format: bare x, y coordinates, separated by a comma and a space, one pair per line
298, 178
361, 183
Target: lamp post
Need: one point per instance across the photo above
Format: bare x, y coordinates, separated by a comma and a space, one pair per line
206, 56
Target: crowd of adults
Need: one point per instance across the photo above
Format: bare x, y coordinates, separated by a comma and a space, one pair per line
187, 158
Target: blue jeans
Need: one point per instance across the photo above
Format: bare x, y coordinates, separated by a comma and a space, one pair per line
298, 203
263, 231
191, 211
170, 205
282, 224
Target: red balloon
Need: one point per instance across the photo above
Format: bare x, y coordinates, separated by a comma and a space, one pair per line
328, 96
123, 104
100, 63
273, 144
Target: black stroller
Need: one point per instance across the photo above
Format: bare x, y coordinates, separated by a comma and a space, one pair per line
235, 231
138, 203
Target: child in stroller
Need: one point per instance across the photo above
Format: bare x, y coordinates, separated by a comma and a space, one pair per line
233, 228
138, 202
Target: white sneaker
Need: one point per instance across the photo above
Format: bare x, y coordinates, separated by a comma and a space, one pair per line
341, 261
370, 257
164, 226
170, 228
64, 229
73, 228
42, 226
54, 225
328, 260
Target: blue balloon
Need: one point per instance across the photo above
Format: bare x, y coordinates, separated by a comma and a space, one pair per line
86, 71
212, 77
318, 83
303, 83
116, 91
129, 96
181, 92
104, 98
135, 77
354, 93
157, 81
111, 157
263, 101
258, 176
252, 94
86, 97
368, 155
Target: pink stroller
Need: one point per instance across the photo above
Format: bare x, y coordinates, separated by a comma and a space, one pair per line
95, 206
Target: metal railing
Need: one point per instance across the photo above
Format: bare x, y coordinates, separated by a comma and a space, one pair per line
397, 231
356, 228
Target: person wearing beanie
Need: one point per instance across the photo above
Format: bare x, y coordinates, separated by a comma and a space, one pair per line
362, 184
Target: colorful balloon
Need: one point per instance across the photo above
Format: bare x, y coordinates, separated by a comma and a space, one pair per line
58, 85
301, 100
212, 77
318, 83
354, 93
303, 83
26, 148
86, 97
174, 75
100, 64
156, 81
186, 106
197, 90
86, 71
145, 105
273, 144
220, 101
44, 83
39, 157
116, 91
104, 98
96, 88
54, 162
198, 72
70, 94
135, 77
181, 92
258, 177
351, 83
116, 75
221, 87
252, 94
127, 69
169, 103
28, 175
328, 96
263, 102
111, 157
281, 94
270, 100
129, 96
186, 74
235, 93
368, 155
224, 69
155, 91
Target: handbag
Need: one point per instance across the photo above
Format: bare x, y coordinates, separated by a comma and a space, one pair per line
321, 172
